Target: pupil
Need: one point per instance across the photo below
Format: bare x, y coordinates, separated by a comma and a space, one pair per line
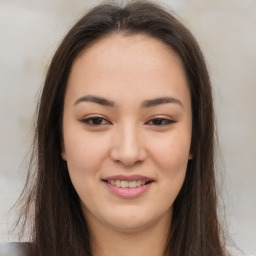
97, 120
158, 121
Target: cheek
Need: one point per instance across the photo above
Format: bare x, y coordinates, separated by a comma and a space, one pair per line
171, 157
85, 155
172, 153
84, 152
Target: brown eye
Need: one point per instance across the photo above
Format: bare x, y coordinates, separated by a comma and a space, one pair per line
95, 121
160, 121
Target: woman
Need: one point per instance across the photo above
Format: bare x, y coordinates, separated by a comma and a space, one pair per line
124, 143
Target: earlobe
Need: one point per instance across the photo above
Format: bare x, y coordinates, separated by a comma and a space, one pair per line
63, 152
190, 156
63, 155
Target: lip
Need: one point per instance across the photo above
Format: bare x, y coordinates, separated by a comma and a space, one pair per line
128, 178
128, 193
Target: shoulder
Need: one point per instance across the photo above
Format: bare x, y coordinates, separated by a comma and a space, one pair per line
237, 252
245, 254
14, 249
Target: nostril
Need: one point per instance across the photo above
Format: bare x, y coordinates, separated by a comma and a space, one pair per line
128, 155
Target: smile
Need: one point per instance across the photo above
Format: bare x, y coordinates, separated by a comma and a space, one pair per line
128, 187
127, 184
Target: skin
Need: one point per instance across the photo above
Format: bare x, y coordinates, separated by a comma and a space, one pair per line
128, 140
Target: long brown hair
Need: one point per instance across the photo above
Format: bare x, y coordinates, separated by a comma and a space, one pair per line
51, 204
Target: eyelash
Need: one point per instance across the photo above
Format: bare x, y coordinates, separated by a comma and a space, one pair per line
89, 121
167, 121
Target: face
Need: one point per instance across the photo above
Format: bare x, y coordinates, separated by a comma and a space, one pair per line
127, 127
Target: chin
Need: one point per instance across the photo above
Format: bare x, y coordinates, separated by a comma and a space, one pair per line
130, 224
135, 221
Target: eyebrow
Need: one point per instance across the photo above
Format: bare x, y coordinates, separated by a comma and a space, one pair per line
96, 99
159, 101
145, 104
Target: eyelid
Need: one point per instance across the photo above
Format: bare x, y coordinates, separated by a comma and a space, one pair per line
86, 120
168, 120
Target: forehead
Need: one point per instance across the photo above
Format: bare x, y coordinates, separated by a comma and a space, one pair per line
126, 51
135, 65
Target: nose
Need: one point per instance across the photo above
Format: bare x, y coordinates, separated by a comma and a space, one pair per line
127, 146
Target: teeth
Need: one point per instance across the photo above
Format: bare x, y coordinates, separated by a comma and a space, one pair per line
138, 183
132, 184
118, 183
127, 184
124, 184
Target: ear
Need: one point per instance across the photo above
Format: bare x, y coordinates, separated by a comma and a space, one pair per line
191, 155
63, 151
63, 155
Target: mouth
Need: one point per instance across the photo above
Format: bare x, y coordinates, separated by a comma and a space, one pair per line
128, 187
128, 184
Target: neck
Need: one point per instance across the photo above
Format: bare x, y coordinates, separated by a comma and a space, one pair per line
150, 241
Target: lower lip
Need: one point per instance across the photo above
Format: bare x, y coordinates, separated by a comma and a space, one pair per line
128, 193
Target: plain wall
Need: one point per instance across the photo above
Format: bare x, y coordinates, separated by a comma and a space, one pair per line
226, 30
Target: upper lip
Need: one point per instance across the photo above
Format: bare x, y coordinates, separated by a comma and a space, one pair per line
128, 178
